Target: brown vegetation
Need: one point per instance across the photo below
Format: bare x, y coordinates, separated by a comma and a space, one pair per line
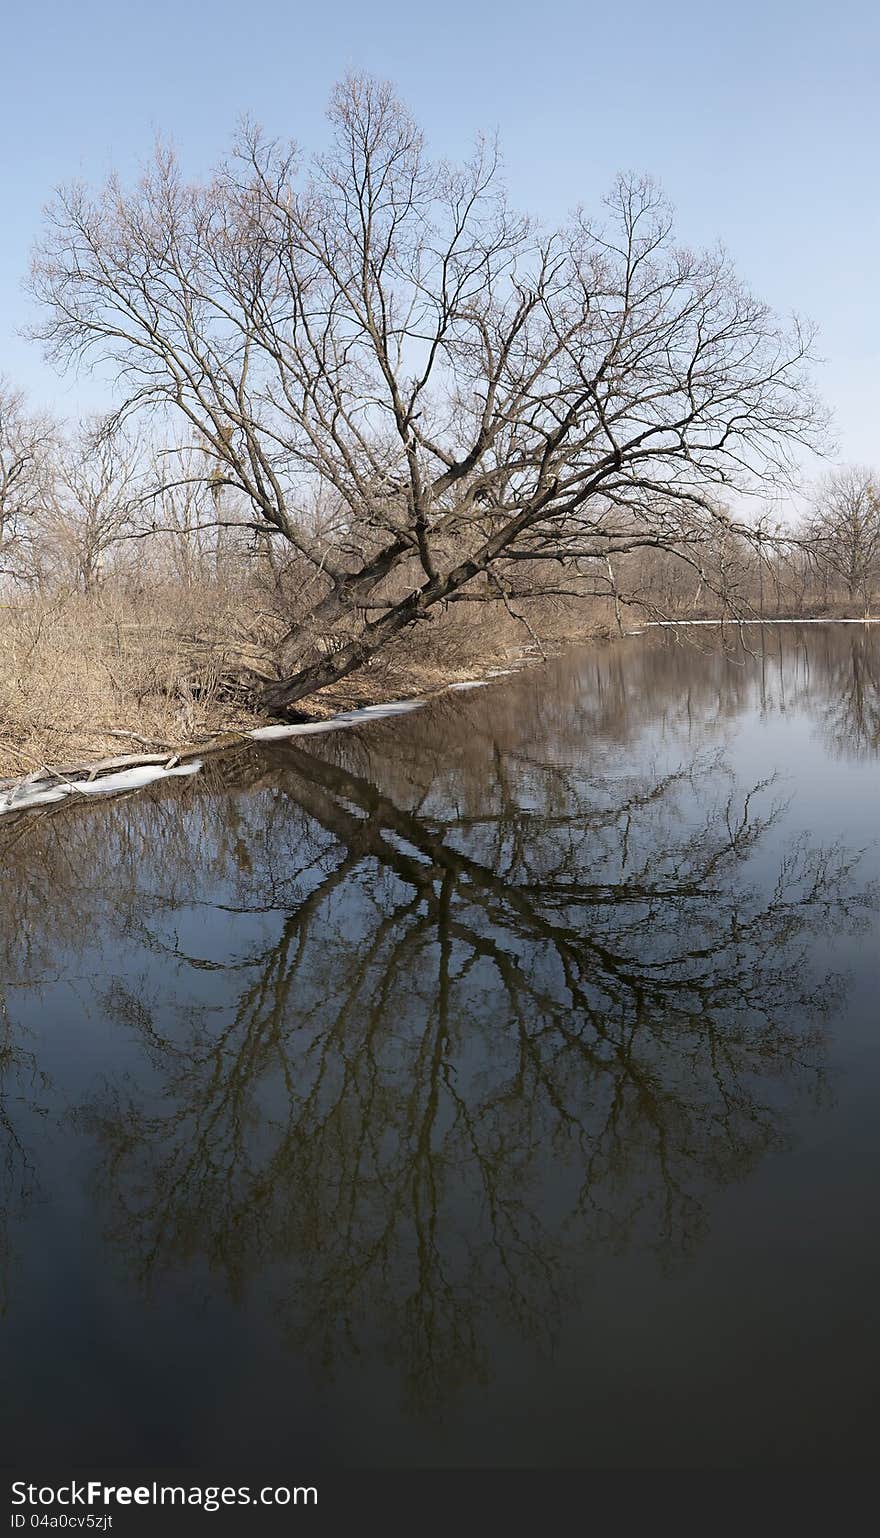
111, 671
83, 675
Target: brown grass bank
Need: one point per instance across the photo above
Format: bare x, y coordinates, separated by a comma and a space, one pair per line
85, 677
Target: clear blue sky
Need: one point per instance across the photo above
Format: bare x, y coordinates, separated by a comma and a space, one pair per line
761, 119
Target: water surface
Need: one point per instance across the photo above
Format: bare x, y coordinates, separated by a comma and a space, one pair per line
495, 1084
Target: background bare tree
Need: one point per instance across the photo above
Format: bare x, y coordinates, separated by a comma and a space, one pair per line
95, 499
843, 534
27, 443
476, 395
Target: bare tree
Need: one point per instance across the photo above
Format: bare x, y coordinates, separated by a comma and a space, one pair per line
478, 396
26, 446
96, 497
206, 525
843, 533
183, 507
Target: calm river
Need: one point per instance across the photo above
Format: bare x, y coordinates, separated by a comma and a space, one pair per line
496, 1084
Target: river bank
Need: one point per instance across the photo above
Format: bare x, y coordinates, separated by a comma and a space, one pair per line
121, 759
108, 676
63, 757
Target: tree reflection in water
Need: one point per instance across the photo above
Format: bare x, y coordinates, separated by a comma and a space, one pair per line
443, 1034
480, 1073
848, 705
22, 1089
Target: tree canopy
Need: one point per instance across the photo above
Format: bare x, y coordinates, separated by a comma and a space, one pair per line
425, 393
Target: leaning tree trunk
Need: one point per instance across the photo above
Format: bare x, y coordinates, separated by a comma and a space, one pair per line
287, 692
297, 647
375, 634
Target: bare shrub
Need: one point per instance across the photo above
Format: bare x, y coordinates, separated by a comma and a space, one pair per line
84, 675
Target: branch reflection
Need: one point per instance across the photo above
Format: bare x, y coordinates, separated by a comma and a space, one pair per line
459, 1049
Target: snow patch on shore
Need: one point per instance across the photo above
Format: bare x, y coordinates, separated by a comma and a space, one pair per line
674, 624
334, 723
34, 792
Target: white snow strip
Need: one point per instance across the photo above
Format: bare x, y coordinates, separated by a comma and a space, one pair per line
296, 729
133, 779
470, 683
334, 723
393, 708
31, 793
19, 799
673, 624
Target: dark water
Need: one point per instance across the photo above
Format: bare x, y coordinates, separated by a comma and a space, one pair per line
498, 1084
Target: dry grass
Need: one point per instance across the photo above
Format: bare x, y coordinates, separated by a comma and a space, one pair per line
83, 678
